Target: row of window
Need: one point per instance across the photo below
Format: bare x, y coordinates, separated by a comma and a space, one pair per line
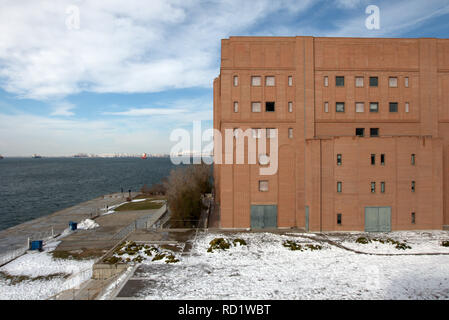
360, 81
373, 132
340, 216
373, 187
373, 159
270, 106
256, 81
373, 107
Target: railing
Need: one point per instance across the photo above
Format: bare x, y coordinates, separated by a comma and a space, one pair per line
139, 224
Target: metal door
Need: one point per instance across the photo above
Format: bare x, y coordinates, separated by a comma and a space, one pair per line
378, 219
263, 216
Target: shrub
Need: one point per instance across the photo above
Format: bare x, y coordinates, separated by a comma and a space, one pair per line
159, 256
239, 241
363, 240
171, 259
292, 245
218, 243
445, 243
185, 186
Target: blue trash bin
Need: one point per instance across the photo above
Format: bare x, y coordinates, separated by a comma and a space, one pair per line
36, 245
73, 225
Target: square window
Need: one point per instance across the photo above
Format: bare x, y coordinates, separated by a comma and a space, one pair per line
360, 132
374, 107
256, 81
393, 107
373, 81
290, 133
339, 218
256, 107
339, 81
407, 107
393, 82
269, 106
339, 159
339, 186
374, 132
263, 185
359, 107
373, 187
269, 81
406, 82
271, 132
326, 107
326, 81
236, 81
382, 187
290, 106
359, 82
340, 107
290, 81
236, 106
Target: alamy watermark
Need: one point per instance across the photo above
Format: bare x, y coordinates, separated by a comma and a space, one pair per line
372, 22
261, 144
72, 20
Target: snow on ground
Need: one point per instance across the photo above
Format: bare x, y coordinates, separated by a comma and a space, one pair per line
43, 275
419, 241
265, 269
87, 224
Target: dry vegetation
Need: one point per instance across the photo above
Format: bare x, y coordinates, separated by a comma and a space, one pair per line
184, 188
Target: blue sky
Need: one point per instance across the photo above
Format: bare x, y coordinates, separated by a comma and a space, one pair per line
132, 71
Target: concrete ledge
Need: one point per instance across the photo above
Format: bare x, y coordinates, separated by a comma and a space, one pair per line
103, 271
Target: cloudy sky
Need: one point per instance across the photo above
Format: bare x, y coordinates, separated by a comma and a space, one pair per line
126, 73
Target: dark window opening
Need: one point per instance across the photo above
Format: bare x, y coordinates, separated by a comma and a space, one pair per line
269, 106
413, 159
413, 218
339, 218
373, 187
340, 107
339, 81
374, 132
339, 186
339, 159
393, 107
413, 186
382, 187
382, 159
360, 132
373, 159
373, 81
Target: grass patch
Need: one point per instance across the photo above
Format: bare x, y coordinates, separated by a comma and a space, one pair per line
13, 280
445, 243
129, 252
224, 244
398, 245
294, 246
142, 205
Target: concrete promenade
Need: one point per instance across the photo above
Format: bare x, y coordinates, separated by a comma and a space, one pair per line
16, 237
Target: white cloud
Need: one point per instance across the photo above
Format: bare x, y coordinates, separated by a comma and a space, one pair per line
145, 112
63, 109
131, 46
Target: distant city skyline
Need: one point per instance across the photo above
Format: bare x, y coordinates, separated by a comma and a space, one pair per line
105, 77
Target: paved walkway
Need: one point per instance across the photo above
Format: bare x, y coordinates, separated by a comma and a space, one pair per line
16, 237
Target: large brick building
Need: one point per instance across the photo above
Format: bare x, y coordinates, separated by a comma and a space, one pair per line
363, 131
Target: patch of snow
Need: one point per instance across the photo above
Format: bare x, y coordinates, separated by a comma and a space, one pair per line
87, 224
265, 269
